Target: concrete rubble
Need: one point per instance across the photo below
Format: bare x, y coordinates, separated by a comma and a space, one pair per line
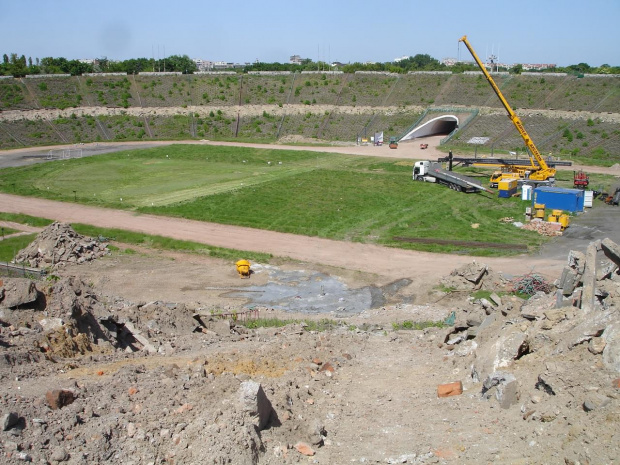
59, 244
94, 379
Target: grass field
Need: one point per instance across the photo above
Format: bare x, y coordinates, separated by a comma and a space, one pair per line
334, 196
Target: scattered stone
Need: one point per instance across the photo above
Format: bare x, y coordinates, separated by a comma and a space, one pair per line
588, 406
254, 402
597, 345
59, 398
59, 454
9, 420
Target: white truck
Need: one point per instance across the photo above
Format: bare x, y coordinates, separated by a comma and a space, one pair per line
433, 172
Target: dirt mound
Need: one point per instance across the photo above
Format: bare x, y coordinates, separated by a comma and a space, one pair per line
59, 244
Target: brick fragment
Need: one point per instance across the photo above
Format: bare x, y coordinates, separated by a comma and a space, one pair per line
304, 449
450, 389
59, 398
327, 367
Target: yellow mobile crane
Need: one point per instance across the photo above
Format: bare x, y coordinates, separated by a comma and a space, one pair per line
542, 172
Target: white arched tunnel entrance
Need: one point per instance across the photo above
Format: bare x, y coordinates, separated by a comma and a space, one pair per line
441, 125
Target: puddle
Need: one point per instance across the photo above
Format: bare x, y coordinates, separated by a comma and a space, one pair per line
309, 292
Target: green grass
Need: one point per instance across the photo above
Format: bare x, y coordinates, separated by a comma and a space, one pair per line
25, 219
324, 324
157, 176
417, 325
363, 199
165, 243
7, 231
10, 246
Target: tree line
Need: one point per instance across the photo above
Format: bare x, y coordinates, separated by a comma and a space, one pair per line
19, 66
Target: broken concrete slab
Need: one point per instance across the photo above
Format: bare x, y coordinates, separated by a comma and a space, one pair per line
506, 388
611, 352
611, 250
569, 280
18, 292
589, 278
254, 401
500, 354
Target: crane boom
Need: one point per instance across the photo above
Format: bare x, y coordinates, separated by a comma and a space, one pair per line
543, 171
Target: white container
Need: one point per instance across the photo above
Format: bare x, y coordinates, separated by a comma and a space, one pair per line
526, 192
588, 197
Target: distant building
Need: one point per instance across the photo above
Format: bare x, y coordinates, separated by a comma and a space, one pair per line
525, 66
537, 66
203, 65
295, 60
397, 60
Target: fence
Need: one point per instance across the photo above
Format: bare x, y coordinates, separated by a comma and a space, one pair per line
12, 270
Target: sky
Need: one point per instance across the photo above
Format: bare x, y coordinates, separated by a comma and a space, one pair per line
243, 31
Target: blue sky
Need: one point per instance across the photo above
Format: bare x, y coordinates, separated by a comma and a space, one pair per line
542, 31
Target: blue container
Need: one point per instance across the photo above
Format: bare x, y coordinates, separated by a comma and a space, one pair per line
558, 198
507, 193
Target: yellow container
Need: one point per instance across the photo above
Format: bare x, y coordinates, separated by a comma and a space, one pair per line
564, 221
539, 210
507, 185
557, 212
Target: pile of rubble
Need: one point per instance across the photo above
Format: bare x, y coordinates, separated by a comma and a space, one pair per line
472, 277
59, 244
89, 380
539, 353
544, 228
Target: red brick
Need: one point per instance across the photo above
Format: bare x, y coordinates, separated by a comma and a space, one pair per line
58, 398
304, 449
327, 367
450, 389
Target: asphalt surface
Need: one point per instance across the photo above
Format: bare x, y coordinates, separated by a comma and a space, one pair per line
30, 156
600, 222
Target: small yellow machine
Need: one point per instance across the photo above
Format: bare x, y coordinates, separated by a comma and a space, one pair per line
243, 268
539, 210
558, 216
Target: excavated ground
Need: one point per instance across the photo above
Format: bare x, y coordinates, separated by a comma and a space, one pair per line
120, 338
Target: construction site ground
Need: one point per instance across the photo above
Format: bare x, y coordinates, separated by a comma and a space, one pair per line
363, 392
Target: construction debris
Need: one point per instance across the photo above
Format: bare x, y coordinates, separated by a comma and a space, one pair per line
100, 379
544, 228
59, 244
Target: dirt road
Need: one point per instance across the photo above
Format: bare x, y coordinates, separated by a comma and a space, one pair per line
384, 261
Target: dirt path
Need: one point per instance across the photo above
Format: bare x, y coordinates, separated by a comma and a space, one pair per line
384, 261
406, 151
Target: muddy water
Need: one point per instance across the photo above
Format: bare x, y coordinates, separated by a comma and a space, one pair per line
309, 292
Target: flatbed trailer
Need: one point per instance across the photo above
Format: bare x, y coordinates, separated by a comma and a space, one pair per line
433, 172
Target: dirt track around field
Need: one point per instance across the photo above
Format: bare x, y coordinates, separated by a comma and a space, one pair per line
384, 261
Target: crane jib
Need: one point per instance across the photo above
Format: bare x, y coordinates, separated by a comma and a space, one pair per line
543, 169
